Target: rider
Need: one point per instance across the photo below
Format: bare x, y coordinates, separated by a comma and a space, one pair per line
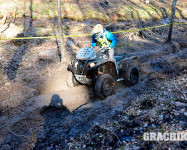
104, 38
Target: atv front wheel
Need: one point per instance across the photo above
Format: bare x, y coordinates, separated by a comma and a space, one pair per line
104, 86
131, 76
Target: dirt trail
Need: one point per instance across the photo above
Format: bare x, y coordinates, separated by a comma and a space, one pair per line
71, 99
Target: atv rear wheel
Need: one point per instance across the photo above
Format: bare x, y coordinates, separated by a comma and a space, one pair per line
104, 86
131, 76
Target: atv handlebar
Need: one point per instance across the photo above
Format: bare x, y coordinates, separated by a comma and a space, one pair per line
103, 49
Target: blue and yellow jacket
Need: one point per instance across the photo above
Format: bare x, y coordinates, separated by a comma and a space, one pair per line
109, 40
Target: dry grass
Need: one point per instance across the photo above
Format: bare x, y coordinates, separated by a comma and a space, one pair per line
115, 11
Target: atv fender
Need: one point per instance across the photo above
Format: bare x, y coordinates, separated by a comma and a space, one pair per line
108, 67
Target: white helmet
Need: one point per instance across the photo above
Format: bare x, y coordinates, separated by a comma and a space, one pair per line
98, 29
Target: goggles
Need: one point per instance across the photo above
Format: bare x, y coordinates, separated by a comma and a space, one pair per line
98, 35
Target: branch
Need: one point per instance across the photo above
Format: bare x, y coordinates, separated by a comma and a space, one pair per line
31, 140
15, 14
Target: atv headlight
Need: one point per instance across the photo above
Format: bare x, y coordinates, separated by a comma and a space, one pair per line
91, 64
72, 61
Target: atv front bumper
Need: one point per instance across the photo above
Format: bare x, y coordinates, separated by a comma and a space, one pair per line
80, 78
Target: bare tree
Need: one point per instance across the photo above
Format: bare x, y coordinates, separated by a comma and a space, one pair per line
61, 32
31, 16
172, 20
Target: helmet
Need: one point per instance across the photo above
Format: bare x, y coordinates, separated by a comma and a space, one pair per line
98, 29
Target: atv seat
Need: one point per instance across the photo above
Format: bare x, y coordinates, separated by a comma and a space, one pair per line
118, 58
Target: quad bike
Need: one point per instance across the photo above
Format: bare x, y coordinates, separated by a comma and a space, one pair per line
95, 69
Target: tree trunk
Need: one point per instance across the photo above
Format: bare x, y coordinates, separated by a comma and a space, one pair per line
61, 33
171, 21
31, 16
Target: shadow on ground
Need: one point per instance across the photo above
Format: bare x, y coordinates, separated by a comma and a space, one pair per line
55, 113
